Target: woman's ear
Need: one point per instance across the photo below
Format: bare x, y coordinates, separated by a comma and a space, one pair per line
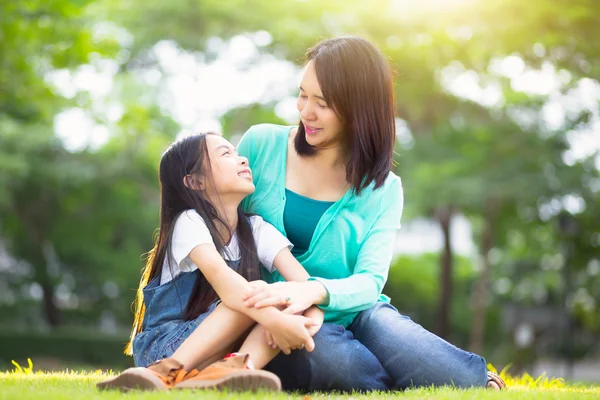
192, 182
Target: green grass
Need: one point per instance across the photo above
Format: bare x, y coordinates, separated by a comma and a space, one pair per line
23, 384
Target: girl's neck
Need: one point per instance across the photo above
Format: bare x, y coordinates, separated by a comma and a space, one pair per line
229, 215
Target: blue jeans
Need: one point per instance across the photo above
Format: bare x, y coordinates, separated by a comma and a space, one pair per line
380, 350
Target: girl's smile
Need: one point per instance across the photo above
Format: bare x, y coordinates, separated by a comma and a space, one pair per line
245, 173
227, 167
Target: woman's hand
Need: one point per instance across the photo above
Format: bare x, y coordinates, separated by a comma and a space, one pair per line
294, 296
290, 332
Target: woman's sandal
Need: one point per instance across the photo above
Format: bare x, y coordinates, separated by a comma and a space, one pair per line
495, 382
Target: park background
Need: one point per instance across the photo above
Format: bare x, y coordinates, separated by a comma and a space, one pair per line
498, 148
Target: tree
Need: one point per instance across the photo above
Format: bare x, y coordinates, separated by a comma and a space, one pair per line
57, 208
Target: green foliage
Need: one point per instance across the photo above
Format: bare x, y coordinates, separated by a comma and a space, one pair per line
77, 223
76, 346
238, 120
38, 36
197, 22
413, 285
58, 214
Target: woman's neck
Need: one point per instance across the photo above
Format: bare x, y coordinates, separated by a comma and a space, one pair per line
333, 157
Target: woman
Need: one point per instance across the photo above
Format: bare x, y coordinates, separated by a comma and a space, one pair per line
328, 185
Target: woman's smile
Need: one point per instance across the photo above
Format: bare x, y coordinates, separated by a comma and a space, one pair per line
311, 130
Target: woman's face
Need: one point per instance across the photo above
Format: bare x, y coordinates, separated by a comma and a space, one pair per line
322, 126
230, 172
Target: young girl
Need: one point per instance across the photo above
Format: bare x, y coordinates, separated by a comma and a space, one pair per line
189, 306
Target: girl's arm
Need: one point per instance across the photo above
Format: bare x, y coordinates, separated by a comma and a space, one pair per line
287, 265
228, 285
291, 270
274, 253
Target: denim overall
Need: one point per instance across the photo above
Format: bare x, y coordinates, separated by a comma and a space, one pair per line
164, 328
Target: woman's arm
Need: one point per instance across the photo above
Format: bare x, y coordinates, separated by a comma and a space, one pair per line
362, 289
297, 289
292, 271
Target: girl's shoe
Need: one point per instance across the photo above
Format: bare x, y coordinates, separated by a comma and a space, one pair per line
162, 375
495, 381
233, 373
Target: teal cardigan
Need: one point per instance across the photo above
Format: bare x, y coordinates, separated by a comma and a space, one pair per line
352, 246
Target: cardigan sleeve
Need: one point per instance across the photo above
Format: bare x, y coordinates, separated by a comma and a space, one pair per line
362, 289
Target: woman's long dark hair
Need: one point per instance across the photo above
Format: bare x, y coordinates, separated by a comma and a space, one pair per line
189, 156
356, 82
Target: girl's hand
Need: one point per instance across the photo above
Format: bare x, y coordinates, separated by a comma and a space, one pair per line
293, 295
269, 339
258, 284
318, 316
290, 332
314, 313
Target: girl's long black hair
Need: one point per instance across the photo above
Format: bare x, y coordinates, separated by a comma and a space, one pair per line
189, 156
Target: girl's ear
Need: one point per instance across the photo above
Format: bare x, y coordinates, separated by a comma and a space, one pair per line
192, 182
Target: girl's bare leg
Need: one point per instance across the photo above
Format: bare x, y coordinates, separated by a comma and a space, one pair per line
222, 331
219, 334
213, 338
256, 345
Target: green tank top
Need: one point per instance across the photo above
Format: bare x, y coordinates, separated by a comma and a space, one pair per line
300, 218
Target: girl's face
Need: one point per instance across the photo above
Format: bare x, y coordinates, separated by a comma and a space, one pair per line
231, 176
322, 125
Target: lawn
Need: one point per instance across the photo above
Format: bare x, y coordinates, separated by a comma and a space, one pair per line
67, 385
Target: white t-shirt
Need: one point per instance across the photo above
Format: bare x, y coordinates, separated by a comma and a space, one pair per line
191, 230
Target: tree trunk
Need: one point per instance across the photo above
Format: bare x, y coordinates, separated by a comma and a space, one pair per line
481, 290
48, 274
444, 216
50, 309
45, 265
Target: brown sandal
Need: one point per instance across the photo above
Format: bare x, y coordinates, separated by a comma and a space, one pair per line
495, 378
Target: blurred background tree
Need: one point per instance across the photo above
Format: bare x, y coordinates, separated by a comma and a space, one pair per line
498, 127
